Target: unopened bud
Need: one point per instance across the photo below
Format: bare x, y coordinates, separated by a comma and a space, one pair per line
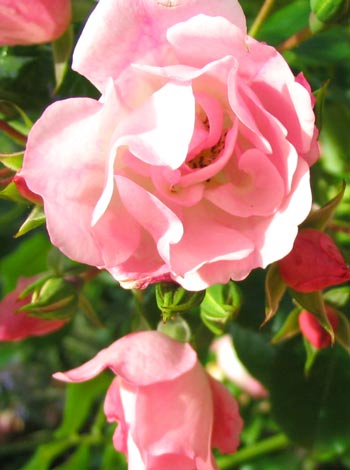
314, 263
313, 331
173, 299
56, 298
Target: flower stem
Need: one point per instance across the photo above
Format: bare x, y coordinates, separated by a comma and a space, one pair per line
9, 130
295, 40
261, 17
270, 444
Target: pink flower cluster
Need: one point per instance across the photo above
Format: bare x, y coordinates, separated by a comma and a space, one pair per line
193, 166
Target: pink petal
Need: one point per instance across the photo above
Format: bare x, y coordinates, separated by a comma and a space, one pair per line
119, 33
219, 243
113, 408
141, 358
184, 428
64, 164
203, 39
256, 188
227, 421
159, 221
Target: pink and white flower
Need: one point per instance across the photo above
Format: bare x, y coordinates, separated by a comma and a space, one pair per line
170, 412
194, 164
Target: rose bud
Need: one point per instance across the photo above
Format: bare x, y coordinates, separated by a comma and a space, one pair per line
24, 22
170, 412
15, 325
314, 332
314, 263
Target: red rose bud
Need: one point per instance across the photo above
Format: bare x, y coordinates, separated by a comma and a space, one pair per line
314, 263
25, 191
313, 331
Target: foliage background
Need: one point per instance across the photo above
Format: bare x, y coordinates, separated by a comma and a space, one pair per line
305, 423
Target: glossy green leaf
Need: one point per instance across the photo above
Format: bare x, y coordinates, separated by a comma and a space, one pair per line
312, 410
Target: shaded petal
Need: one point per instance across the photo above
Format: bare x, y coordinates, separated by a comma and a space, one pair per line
227, 421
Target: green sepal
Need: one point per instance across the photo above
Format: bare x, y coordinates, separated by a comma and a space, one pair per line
311, 354
342, 335
34, 220
320, 218
11, 193
313, 302
220, 304
275, 288
62, 49
289, 328
320, 96
173, 299
56, 298
13, 161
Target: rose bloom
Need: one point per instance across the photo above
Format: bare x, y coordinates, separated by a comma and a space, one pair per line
15, 325
232, 368
170, 412
194, 164
314, 263
314, 332
32, 21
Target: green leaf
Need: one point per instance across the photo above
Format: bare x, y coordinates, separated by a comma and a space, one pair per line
254, 351
275, 288
320, 218
312, 410
77, 411
79, 460
34, 220
28, 259
46, 454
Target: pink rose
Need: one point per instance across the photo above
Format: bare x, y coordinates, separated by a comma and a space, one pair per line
313, 331
15, 325
170, 412
314, 263
232, 368
32, 21
194, 164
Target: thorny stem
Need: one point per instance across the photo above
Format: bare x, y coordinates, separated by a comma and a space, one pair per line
270, 444
295, 40
261, 17
9, 130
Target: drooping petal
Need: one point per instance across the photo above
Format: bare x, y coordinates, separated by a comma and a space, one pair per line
141, 358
